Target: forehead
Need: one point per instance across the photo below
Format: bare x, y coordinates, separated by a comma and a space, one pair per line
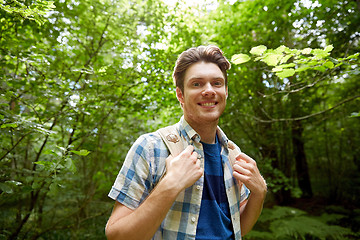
203, 70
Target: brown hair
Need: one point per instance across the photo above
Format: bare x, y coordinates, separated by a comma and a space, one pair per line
210, 53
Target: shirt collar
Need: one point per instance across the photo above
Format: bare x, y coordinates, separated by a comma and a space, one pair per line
191, 135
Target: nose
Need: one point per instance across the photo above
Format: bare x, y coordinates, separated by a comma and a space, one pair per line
208, 90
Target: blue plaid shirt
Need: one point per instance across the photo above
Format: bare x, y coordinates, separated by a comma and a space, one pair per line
144, 166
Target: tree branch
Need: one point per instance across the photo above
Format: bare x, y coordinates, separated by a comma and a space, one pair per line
14, 146
303, 117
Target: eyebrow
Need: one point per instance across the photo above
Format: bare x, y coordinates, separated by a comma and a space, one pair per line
199, 78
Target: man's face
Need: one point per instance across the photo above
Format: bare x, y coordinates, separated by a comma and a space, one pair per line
205, 93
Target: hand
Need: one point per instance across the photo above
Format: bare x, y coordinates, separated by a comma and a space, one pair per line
246, 171
185, 168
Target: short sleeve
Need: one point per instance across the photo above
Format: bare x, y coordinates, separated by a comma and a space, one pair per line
133, 183
244, 194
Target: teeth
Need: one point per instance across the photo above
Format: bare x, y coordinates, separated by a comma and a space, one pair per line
208, 104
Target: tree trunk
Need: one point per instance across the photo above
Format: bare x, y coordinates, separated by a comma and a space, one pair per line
302, 170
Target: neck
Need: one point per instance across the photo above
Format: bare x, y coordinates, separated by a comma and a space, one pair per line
207, 131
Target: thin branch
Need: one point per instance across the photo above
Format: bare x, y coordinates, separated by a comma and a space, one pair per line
294, 90
14, 146
303, 117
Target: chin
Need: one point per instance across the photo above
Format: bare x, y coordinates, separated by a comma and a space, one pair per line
210, 118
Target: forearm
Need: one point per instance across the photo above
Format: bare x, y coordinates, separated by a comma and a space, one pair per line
143, 222
251, 212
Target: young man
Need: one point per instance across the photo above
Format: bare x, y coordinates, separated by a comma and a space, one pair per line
202, 195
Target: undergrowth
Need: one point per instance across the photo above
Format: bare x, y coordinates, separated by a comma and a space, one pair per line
287, 223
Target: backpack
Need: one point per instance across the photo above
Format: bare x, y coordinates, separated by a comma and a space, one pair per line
172, 140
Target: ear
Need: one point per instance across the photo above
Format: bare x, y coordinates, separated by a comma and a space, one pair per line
179, 95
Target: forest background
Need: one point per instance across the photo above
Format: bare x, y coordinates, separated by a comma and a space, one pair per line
81, 80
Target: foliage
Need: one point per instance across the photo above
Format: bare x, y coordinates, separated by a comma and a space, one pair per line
274, 119
74, 92
292, 223
302, 60
81, 80
36, 11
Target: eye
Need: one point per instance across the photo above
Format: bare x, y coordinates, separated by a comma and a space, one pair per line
196, 84
218, 83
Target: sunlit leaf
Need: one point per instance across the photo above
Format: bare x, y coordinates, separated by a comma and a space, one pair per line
287, 65
240, 58
285, 58
302, 68
258, 50
272, 59
329, 65
9, 125
82, 152
329, 48
286, 73
277, 69
306, 51
355, 114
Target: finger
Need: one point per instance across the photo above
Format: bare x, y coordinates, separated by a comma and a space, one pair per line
189, 149
198, 162
169, 157
244, 157
241, 170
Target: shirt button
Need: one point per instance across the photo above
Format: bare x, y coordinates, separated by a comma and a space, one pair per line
198, 187
193, 219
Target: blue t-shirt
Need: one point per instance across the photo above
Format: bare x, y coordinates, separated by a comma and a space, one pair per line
215, 219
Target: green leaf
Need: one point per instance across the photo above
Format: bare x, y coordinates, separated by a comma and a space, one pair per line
82, 152
9, 125
329, 65
258, 50
287, 65
320, 54
302, 68
356, 55
320, 68
355, 114
329, 48
285, 58
53, 189
6, 188
306, 51
69, 164
281, 49
272, 59
46, 164
277, 69
240, 58
286, 73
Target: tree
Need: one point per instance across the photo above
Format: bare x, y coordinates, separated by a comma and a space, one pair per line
274, 109
75, 91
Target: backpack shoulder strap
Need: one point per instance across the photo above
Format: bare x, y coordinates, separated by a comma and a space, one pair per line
233, 152
172, 139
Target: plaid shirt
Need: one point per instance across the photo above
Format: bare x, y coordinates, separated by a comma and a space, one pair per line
144, 166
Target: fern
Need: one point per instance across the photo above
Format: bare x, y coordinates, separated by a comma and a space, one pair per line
285, 223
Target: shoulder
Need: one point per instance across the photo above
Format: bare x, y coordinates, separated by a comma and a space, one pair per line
233, 146
147, 142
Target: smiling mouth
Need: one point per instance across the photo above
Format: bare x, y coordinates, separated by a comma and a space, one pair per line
208, 104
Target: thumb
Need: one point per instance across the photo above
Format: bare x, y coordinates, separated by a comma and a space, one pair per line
168, 159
